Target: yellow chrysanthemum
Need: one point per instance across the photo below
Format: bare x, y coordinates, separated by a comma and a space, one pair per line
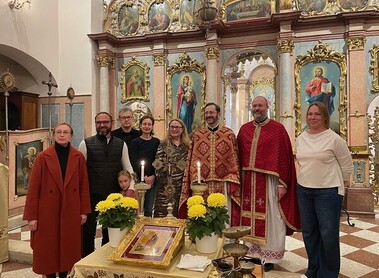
195, 200
128, 202
197, 211
216, 200
114, 196
104, 205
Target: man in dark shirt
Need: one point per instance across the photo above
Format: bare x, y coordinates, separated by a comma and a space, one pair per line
126, 132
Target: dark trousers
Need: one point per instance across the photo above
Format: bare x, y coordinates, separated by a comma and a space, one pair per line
320, 211
149, 201
89, 231
54, 275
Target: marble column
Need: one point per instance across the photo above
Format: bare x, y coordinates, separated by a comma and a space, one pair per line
213, 93
159, 73
4, 189
359, 198
105, 62
285, 96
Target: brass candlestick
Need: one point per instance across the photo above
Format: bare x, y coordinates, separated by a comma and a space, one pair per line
141, 188
198, 188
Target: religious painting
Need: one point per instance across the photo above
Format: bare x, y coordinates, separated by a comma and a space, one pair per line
264, 87
186, 13
140, 109
186, 92
245, 9
159, 18
128, 20
152, 242
311, 6
26, 153
135, 81
352, 5
320, 76
374, 68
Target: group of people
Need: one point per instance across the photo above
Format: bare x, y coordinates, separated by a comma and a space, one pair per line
255, 170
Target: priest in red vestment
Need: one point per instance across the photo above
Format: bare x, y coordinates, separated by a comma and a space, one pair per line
269, 199
215, 148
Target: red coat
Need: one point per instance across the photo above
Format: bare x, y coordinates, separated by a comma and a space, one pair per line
57, 208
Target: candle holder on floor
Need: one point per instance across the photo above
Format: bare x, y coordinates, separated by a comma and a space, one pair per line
141, 188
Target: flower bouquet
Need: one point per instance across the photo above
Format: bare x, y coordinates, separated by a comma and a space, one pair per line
117, 211
206, 218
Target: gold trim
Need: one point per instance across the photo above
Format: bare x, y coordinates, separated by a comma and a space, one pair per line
159, 59
373, 126
285, 46
357, 114
132, 236
145, 71
374, 68
358, 150
213, 53
356, 43
321, 52
105, 61
185, 63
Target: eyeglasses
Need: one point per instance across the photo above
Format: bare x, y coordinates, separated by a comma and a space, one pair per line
64, 132
126, 117
103, 122
175, 127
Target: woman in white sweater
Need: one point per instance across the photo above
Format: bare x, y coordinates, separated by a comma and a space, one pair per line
325, 166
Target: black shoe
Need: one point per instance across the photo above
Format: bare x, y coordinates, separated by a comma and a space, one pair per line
269, 266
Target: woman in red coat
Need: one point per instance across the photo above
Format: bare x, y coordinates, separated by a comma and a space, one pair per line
57, 205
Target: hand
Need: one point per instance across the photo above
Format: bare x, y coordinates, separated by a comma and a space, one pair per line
32, 225
150, 179
84, 218
280, 192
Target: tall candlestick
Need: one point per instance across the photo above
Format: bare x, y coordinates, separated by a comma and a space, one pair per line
198, 172
142, 170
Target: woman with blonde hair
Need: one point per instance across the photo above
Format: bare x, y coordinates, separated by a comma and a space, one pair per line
325, 166
170, 164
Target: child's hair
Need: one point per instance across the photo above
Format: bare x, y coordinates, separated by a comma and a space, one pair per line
126, 173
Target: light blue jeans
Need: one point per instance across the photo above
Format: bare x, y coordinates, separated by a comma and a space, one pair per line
320, 211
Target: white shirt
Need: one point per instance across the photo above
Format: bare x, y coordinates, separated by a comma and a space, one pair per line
324, 160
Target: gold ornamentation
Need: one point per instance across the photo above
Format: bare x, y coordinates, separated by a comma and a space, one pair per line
285, 46
105, 61
2, 143
3, 233
185, 64
374, 68
373, 126
7, 81
357, 114
356, 43
286, 115
321, 53
142, 241
127, 71
159, 59
213, 53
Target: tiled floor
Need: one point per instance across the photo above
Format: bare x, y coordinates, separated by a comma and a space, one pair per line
359, 250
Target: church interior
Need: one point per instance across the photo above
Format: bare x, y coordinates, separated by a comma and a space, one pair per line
65, 61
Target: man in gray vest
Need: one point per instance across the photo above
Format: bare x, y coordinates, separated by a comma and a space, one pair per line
106, 155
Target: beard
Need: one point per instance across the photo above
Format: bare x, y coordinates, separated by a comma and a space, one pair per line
103, 131
260, 115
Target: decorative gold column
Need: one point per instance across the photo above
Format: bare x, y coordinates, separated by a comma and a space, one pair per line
286, 98
213, 93
105, 62
359, 199
4, 190
159, 89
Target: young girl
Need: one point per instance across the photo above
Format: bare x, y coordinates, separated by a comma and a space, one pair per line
124, 179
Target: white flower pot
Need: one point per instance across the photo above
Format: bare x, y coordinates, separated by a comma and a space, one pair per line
115, 236
208, 244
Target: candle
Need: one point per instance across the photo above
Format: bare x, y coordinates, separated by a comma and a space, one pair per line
198, 172
142, 170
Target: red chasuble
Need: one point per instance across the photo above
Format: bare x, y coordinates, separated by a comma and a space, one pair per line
265, 149
218, 155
